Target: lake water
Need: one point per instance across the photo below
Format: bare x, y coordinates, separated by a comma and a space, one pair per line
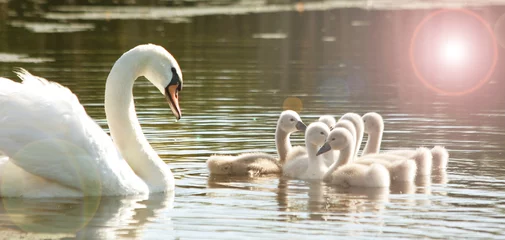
242, 66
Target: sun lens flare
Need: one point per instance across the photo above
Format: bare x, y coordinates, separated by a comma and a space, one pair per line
454, 52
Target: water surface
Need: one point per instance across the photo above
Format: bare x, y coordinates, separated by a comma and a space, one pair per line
239, 70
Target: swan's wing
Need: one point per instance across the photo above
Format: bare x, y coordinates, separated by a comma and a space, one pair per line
46, 131
296, 167
295, 152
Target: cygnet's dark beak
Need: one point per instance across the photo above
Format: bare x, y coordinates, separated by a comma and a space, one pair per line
300, 126
325, 148
172, 96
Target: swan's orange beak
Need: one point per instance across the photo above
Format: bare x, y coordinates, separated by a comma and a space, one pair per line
172, 96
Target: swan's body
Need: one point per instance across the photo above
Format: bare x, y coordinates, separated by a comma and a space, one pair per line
253, 164
346, 174
424, 158
403, 170
310, 166
400, 168
440, 157
349, 126
60, 151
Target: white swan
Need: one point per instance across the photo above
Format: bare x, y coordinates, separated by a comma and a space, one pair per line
346, 174
349, 126
358, 124
400, 168
253, 164
426, 160
328, 120
298, 151
56, 150
310, 166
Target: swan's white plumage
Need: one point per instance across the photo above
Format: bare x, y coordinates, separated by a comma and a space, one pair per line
425, 159
295, 152
440, 157
16, 182
347, 174
358, 124
46, 131
422, 156
60, 150
309, 166
299, 151
401, 170
328, 120
357, 175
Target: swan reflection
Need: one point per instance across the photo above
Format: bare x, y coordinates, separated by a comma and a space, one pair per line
82, 218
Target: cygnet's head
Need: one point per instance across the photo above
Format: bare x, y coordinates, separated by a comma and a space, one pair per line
344, 123
328, 120
355, 119
338, 139
290, 121
373, 122
221, 166
316, 133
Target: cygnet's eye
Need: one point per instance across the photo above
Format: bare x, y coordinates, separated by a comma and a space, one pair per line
322, 133
292, 119
333, 139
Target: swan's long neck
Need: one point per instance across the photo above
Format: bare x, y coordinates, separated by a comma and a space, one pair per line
282, 143
316, 163
125, 128
360, 131
344, 157
373, 144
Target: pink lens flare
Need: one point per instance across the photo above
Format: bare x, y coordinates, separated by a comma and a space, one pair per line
452, 52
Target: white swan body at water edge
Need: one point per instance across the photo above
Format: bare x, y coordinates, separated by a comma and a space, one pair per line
345, 173
309, 166
426, 159
54, 149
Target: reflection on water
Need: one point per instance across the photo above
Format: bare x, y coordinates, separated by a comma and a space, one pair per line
88, 218
241, 71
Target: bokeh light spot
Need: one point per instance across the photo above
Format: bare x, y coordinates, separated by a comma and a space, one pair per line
293, 103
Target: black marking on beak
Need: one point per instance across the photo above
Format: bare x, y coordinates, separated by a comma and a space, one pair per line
325, 148
300, 126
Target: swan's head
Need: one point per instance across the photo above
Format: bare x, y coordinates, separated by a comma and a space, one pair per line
290, 121
355, 119
221, 167
162, 70
316, 133
328, 120
338, 139
373, 123
344, 123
